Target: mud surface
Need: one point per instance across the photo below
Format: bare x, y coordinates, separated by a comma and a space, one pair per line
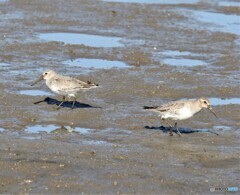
108, 144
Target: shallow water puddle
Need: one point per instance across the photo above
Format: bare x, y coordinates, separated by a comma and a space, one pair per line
176, 58
35, 93
70, 129
175, 53
39, 128
31, 137
221, 22
156, 1
2, 129
96, 63
3, 64
96, 142
56, 129
183, 62
85, 39
223, 128
178, 61
229, 3
219, 101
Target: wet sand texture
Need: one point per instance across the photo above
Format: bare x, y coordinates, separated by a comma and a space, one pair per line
141, 54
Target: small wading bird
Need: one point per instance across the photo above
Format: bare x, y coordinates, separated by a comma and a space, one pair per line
64, 85
180, 110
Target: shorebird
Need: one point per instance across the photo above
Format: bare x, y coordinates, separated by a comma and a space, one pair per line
180, 110
64, 85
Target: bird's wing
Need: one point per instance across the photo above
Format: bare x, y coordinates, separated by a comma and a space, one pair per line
171, 106
71, 84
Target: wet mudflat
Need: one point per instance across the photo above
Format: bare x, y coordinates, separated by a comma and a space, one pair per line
141, 53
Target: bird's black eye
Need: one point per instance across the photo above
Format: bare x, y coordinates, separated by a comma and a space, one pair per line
205, 102
45, 73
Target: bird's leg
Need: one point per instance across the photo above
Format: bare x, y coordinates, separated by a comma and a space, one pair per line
64, 99
74, 100
178, 132
171, 127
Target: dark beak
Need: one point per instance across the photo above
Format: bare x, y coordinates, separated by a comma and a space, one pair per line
211, 110
38, 80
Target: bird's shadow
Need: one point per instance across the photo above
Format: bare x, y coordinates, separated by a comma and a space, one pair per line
67, 104
182, 130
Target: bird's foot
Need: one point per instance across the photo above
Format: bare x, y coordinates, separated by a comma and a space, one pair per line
179, 134
73, 105
59, 106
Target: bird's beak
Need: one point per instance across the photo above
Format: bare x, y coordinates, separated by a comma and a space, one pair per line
211, 110
38, 80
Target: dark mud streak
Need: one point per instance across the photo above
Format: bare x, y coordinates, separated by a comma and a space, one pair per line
67, 104
182, 130
22, 160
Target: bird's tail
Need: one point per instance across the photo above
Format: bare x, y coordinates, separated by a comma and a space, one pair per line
149, 107
91, 85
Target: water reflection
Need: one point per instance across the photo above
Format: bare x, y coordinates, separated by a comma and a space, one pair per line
96, 63
156, 1
3, 64
56, 129
229, 3
220, 101
31, 137
35, 93
183, 62
223, 128
175, 53
219, 21
85, 39
96, 142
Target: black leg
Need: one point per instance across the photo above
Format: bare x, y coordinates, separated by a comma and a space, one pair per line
64, 99
178, 132
74, 100
171, 127
171, 130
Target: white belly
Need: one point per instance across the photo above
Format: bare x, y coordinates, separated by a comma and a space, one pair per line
181, 114
60, 91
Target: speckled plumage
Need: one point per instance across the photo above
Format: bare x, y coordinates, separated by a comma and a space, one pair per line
181, 110
64, 85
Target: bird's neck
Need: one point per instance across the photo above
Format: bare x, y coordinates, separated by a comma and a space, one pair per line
49, 79
196, 107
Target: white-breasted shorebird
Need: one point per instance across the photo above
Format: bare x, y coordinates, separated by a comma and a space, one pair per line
64, 85
180, 110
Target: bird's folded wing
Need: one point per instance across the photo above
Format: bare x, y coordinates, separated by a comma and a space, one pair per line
170, 106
